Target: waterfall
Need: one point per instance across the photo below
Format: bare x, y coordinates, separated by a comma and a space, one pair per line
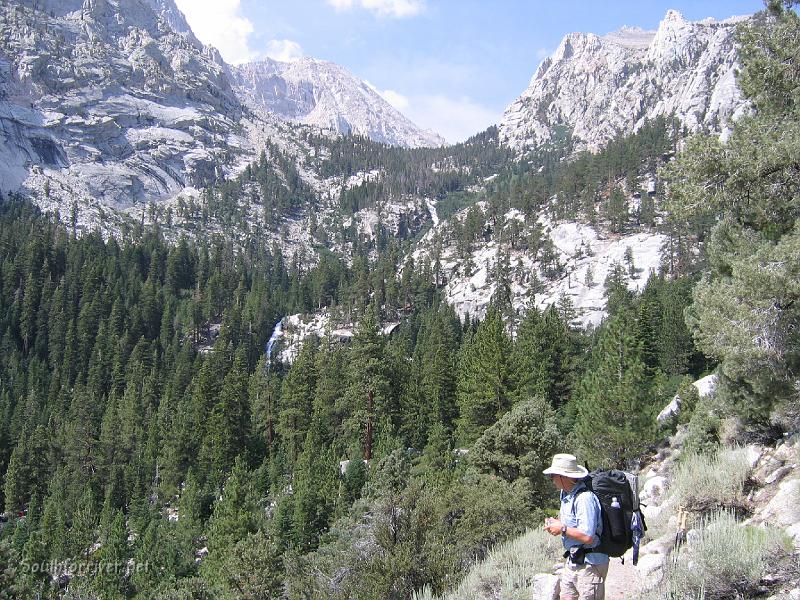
276, 334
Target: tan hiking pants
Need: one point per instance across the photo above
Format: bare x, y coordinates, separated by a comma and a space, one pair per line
584, 582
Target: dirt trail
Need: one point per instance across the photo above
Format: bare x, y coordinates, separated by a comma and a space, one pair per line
622, 581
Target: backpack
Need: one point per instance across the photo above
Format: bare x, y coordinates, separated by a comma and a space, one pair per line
623, 527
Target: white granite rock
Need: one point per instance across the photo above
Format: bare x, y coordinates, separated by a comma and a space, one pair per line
321, 93
650, 569
653, 489
784, 508
685, 68
545, 587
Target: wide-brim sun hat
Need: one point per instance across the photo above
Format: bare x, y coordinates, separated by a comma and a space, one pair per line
566, 465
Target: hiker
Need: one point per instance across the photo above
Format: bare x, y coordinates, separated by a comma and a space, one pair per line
580, 526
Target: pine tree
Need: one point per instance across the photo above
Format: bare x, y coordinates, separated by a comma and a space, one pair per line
615, 406
234, 516
253, 568
314, 488
484, 378
264, 393
111, 580
617, 210
617, 295
229, 422
520, 445
744, 313
83, 532
297, 397
368, 400
330, 371
530, 361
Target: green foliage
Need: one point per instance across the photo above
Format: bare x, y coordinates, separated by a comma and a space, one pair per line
251, 569
162, 558
507, 569
314, 492
297, 397
422, 536
616, 410
12, 585
543, 357
483, 384
235, 515
702, 431
112, 580
192, 588
430, 399
520, 445
617, 295
354, 479
745, 312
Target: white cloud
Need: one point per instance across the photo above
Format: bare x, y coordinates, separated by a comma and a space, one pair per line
341, 4
398, 9
284, 50
396, 99
219, 23
542, 53
455, 119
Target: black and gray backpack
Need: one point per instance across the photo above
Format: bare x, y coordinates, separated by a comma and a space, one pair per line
623, 525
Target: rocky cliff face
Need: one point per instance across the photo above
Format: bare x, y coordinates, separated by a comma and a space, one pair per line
109, 100
599, 87
114, 103
320, 93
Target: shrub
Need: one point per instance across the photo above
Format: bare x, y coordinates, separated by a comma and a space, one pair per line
508, 570
727, 561
520, 445
704, 481
387, 547
702, 432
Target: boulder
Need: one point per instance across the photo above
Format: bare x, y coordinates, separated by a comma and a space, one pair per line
779, 474
662, 545
650, 569
753, 454
794, 532
545, 587
788, 451
653, 489
766, 466
651, 513
784, 508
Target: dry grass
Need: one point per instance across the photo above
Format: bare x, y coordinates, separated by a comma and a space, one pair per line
507, 572
727, 561
703, 482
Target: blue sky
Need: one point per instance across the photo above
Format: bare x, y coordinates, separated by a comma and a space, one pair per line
449, 65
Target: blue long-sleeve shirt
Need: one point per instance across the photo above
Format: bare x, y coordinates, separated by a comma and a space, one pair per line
585, 517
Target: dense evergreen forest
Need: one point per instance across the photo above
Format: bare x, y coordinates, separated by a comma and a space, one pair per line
144, 457
114, 417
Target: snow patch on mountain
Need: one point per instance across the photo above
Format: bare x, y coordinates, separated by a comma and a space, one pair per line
600, 87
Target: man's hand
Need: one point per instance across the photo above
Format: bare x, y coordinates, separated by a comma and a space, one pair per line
552, 526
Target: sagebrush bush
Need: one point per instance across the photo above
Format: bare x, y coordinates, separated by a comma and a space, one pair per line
703, 481
726, 561
508, 570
